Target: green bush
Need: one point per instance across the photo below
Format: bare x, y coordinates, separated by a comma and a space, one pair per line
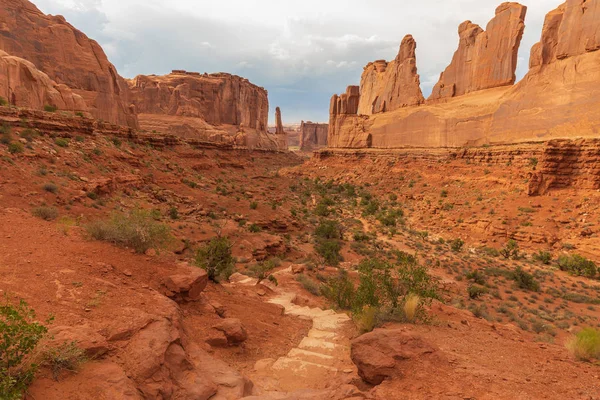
3, 102
66, 357
577, 265
29, 134
45, 212
137, 230
19, 336
511, 250
61, 142
50, 108
339, 290
329, 249
328, 229
543, 256
525, 280
456, 245
262, 270
15, 147
5, 134
475, 291
253, 205
50, 187
586, 344
308, 284
215, 257
477, 277
254, 228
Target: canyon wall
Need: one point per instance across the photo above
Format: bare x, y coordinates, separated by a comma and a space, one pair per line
313, 135
218, 107
388, 86
68, 57
558, 98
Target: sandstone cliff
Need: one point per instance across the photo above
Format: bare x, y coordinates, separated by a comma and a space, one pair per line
558, 98
23, 85
281, 135
68, 57
313, 135
388, 86
484, 59
217, 107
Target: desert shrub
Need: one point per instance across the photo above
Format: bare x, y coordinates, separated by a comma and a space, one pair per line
19, 336
254, 228
3, 102
411, 306
339, 290
577, 265
15, 147
215, 257
137, 230
477, 277
5, 134
328, 229
322, 209
253, 205
308, 284
45, 212
329, 249
262, 270
50, 187
29, 134
511, 250
66, 357
456, 245
367, 319
61, 142
361, 237
390, 217
92, 195
50, 108
586, 344
173, 213
543, 256
404, 258
525, 280
370, 207
475, 291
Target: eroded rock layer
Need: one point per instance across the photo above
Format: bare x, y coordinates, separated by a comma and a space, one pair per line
484, 59
217, 107
313, 135
388, 86
68, 57
558, 98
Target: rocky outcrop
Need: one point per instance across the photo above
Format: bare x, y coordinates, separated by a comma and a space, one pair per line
281, 135
557, 99
23, 85
484, 59
220, 108
68, 57
313, 135
388, 86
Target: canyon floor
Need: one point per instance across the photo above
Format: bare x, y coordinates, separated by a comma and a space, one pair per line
507, 342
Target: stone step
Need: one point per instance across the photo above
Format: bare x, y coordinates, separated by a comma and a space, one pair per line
312, 357
301, 368
323, 335
320, 346
330, 322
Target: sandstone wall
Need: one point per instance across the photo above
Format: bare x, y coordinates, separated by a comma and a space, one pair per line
484, 59
68, 57
313, 135
23, 85
558, 98
388, 86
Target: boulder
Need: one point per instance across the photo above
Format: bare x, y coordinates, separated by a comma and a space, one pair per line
233, 330
186, 285
87, 339
380, 354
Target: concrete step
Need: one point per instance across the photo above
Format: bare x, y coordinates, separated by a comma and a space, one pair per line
312, 357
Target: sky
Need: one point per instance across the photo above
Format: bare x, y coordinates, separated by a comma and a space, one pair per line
302, 52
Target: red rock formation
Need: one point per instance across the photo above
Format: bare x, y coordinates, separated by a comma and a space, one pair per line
484, 59
558, 98
216, 98
389, 86
68, 57
23, 85
218, 107
281, 135
313, 135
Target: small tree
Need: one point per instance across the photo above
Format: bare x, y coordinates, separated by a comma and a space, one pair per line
511, 250
216, 259
19, 336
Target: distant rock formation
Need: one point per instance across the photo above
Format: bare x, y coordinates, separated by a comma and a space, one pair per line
216, 98
313, 135
282, 143
68, 57
484, 59
557, 99
23, 85
388, 86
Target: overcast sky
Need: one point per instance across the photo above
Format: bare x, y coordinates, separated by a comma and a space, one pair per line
301, 51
